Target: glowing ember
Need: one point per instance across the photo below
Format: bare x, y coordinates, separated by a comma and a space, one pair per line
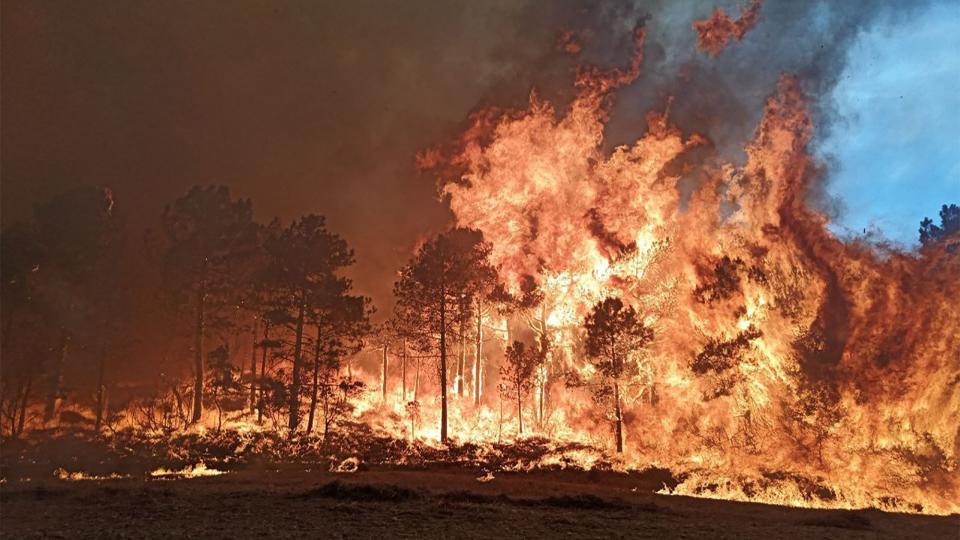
196, 471
63, 474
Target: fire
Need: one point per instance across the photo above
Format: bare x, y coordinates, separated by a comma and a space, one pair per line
784, 361
716, 32
196, 471
786, 365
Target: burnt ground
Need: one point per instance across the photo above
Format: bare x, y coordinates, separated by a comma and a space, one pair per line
439, 502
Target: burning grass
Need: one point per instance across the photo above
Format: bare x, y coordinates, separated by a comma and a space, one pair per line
131, 454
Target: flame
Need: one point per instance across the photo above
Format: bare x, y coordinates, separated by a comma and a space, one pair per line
839, 387
715, 33
76, 476
195, 471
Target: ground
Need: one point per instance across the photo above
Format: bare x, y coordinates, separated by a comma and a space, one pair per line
441, 502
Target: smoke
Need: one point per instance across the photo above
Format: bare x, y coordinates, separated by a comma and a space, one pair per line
320, 106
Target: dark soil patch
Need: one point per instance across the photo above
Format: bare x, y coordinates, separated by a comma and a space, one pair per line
361, 492
846, 520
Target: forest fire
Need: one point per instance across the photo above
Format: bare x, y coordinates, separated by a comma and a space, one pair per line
770, 354
644, 308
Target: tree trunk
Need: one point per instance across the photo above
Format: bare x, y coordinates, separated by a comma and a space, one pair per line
478, 357
500, 423
403, 371
543, 392
24, 399
219, 413
176, 394
443, 364
543, 383
326, 406
383, 376
297, 366
316, 382
198, 355
56, 378
618, 416
263, 370
519, 410
253, 367
101, 390
462, 360
416, 381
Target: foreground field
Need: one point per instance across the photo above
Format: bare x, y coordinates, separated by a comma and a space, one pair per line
448, 502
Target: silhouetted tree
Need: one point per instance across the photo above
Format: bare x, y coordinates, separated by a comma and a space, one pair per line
813, 415
434, 290
304, 259
72, 233
19, 264
719, 356
342, 321
207, 236
516, 376
949, 226
614, 334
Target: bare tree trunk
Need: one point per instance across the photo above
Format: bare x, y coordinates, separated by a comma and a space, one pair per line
462, 360
618, 415
263, 370
519, 409
543, 390
416, 381
403, 371
478, 356
383, 376
316, 382
198, 354
443, 364
253, 366
543, 365
176, 394
297, 366
101, 390
327, 414
500, 423
24, 399
56, 378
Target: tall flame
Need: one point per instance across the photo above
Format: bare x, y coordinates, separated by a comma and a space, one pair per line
781, 352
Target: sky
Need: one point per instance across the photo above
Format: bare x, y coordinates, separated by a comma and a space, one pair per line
307, 106
895, 151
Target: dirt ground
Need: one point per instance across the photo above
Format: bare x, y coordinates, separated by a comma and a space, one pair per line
449, 503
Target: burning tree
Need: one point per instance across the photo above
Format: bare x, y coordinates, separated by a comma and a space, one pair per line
435, 291
516, 376
614, 334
